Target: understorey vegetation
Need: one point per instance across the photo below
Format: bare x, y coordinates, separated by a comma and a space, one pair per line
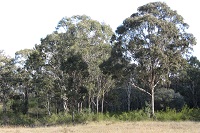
85, 117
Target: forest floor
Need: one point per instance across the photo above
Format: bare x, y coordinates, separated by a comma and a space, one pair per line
112, 127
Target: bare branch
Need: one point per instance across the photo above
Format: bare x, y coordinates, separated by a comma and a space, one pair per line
141, 89
155, 84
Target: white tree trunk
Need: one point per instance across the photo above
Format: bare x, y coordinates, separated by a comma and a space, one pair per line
78, 107
97, 104
152, 102
102, 102
81, 106
65, 104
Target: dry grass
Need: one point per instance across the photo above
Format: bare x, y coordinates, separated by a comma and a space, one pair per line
113, 127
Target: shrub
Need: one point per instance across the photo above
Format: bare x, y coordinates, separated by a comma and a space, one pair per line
168, 98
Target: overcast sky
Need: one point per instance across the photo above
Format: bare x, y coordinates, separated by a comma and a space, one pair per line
24, 22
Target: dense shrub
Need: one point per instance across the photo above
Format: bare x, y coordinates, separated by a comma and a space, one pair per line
173, 115
186, 114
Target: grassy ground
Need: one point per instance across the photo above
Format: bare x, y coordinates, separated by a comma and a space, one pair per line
113, 127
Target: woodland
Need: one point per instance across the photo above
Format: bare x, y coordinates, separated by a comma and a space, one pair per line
84, 71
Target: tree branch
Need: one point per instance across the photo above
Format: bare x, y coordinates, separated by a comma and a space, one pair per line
141, 89
156, 84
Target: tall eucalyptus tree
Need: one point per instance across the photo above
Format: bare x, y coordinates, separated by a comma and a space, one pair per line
71, 57
92, 41
155, 41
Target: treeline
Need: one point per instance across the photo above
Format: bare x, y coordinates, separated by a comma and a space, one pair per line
83, 66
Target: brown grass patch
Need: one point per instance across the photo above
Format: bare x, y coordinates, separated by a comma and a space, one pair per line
113, 127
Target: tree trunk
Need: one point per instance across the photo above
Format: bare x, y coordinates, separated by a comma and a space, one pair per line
73, 117
4, 103
65, 106
65, 103
129, 102
25, 110
128, 91
81, 106
89, 102
78, 107
102, 102
93, 103
57, 107
152, 102
97, 104
48, 105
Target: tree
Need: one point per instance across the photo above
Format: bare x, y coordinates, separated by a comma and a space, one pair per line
69, 58
187, 82
7, 69
154, 41
77, 70
22, 78
192, 82
167, 98
92, 41
43, 79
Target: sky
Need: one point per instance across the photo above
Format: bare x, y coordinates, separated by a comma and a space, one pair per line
24, 22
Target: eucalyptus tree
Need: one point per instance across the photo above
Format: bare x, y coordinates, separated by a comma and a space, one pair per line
70, 57
154, 41
41, 80
193, 82
92, 41
7, 69
23, 76
187, 82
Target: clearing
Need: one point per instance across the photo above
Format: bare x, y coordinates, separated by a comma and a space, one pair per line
113, 127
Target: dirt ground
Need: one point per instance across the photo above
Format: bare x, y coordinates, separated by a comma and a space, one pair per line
113, 127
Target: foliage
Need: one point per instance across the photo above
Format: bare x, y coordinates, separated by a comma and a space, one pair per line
168, 98
136, 115
153, 41
187, 82
186, 114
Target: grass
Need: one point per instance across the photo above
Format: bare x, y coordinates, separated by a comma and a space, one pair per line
113, 127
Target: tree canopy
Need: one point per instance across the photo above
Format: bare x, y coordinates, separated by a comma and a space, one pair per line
154, 41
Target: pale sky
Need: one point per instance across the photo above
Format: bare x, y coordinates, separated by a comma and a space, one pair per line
24, 22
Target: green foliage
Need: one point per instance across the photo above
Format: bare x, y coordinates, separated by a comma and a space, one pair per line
187, 83
136, 115
16, 119
186, 114
168, 115
62, 118
168, 98
153, 42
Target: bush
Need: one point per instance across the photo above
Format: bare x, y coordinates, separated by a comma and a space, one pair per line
16, 119
190, 114
186, 114
168, 98
168, 115
137, 115
55, 119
